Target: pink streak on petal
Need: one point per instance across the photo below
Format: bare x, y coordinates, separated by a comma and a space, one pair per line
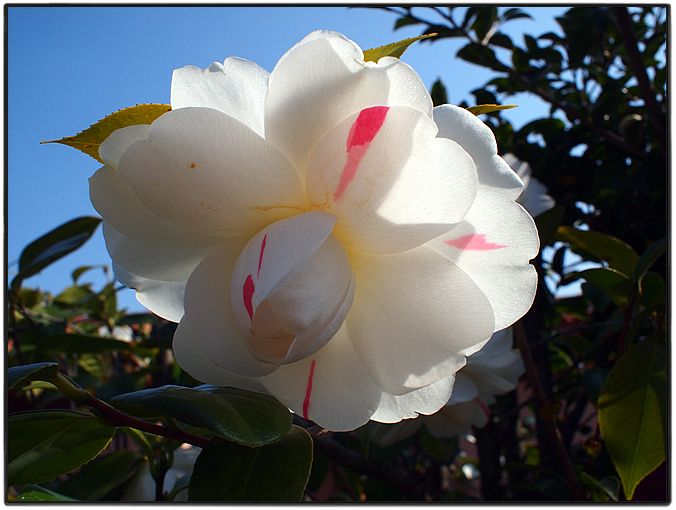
474, 242
361, 134
484, 407
308, 389
247, 293
260, 256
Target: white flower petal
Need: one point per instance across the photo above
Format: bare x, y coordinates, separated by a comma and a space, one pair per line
113, 147
534, 197
151, 260
120, 207
496, 353
236, 87
163, 298
321, 81
331, 387
426, 400
389, 181
478, 140
494, 245
292, 287
208, 330
206, 170
412, 314
464, 389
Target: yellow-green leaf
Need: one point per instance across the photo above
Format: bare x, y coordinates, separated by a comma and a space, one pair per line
395, 49
632, 413
489, 108
89, 140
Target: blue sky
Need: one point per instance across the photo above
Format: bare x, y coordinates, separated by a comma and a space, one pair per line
70, 66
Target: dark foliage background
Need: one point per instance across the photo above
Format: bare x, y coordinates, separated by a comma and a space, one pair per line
588, 420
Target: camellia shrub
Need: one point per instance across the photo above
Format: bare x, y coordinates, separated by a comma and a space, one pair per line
349, 297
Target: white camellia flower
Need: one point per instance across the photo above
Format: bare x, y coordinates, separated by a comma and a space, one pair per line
321, 233
494, 370
124, 333
534, 197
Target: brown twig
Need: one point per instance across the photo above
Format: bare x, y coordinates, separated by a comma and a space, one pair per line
119, 419
626, 30
548, 417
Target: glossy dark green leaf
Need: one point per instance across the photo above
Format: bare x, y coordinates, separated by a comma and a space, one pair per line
275, 472
548, 222
37, 494
241, 416
395, 49
54, 245
615, 284
649, 257
22, 374
89, 140
45, 444
102, 475
617, 253
632, 413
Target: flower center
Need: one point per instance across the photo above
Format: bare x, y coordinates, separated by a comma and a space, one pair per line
291, 289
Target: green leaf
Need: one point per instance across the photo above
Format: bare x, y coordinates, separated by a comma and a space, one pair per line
395, 49
649, 257
37, 494
615, 284
42, 445
548, 222
79, 271
274, 472
604, 490
653, 291
514, 13
632, 409
20, 375
181, 485
102, 475
489, 108
438, 93
241, 416
89, 140
54, 245
75, 295
140, 439
80, 344
92, 364
617, 253
404, 22
481, 55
